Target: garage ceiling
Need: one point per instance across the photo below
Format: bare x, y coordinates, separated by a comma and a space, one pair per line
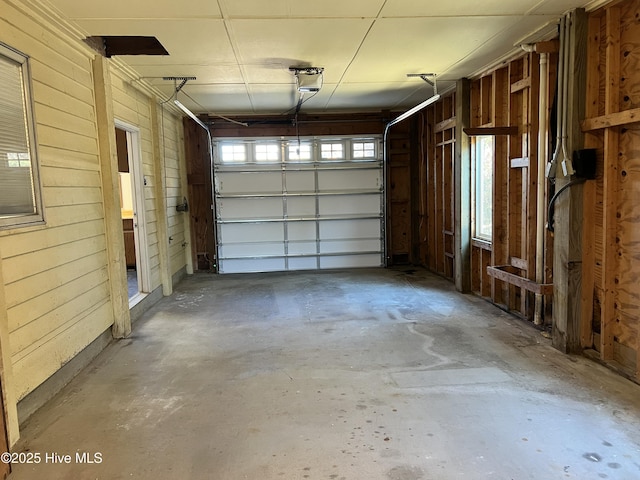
241, 50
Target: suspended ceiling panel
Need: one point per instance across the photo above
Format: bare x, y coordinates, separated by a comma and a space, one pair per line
126, 9
437, 40
292, 8
241, 50
458, 8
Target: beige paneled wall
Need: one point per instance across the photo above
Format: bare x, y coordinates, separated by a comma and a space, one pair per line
130, 105
55, 277
171, 148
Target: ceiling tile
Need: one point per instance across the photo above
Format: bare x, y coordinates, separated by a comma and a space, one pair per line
498, 46
300, 42
557, 7
216, 98
112, 9
200, 41
457, 8
296, 8
396, 47
374, 95
205, 74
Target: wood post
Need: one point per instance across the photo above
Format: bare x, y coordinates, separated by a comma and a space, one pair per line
111, 199
462, 182
567, 265
611, 141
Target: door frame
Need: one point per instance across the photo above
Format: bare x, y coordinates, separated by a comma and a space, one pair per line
134, 157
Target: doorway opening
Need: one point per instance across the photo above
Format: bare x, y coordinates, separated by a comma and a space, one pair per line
132, 183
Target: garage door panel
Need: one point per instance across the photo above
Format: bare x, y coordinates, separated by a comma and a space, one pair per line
262, 249
250, 208
302, 248
301, 231
349, 205
306, 263
349, 180
350, 246
239, 182
250, 265
244, 232
350, 261
301, 207
300, 182
349, 229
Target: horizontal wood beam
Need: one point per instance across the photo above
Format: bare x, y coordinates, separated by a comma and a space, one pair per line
520, 162
611, 120
477, 131
551, 46
521, 85
501, 272
447, 124
520, 263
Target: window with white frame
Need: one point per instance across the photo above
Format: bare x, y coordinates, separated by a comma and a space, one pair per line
364, 150
483, 172
267, 152
233, 152
299, 152
19, 183
332, 151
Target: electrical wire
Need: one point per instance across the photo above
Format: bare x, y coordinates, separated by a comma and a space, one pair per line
550, 214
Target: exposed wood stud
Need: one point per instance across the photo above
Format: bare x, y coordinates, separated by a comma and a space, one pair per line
611, 151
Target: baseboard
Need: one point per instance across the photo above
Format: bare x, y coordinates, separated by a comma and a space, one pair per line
50, 387
179, 276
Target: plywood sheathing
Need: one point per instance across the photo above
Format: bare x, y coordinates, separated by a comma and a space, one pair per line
610, 297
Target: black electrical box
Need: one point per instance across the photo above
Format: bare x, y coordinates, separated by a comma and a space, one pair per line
584, 163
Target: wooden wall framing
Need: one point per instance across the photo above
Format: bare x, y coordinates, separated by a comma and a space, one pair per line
504, 104
611, 265
437, 155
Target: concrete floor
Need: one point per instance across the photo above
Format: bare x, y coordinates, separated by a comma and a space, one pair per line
366, 374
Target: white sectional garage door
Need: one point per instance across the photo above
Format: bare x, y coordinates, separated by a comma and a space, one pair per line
289, 204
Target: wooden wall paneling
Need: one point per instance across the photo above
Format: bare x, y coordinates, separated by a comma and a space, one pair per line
592, 140
628, 225
431, 141
203, 246
439, 200
399, 194
611, 149
448, 205
415, 169
476, 266
422, 179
